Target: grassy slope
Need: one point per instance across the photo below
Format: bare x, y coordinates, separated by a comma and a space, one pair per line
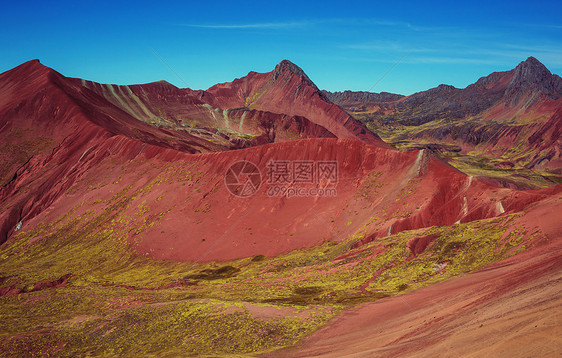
478, 162
119, 303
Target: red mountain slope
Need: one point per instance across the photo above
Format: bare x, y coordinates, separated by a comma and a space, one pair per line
509, 309
51, 125
288, 90
379, 192
388, 191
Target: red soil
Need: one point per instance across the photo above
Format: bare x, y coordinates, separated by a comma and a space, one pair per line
418, 245
98, 150
239, 227
510, 309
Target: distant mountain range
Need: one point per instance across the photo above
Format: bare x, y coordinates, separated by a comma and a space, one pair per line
508, 119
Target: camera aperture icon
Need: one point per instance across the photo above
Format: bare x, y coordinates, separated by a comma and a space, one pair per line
242, 179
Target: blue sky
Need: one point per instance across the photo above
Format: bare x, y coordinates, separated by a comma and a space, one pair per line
393, 46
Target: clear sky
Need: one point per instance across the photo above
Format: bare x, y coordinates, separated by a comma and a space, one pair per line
393, 46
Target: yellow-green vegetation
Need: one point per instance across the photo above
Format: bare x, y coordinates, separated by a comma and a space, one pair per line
479, 165
507, 163
84, 321
120, 303
370, 185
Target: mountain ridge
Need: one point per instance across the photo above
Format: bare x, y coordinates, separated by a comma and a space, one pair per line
505, 119
527, 73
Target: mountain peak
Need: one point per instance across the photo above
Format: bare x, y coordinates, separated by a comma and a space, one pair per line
289, 69
532, 67
287, 65
532, 61
30, 70
35, 61
532, 74
162, 83
33, 65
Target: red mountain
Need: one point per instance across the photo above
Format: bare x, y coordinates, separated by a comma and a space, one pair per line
44, 111
69, 129
115, 205
287, 89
